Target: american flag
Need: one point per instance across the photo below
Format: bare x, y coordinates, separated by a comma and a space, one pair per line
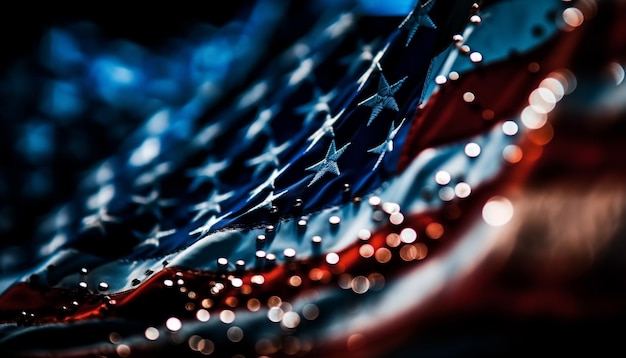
370, 179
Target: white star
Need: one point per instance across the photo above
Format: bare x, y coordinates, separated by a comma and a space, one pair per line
375, 65
420, 19
207, 134
152, 203
268, 157
212, 204
383, 98
320, 104
268, 183
325, 130
253, 95
202, 230
342, 25
209, 171
149, 149
267, 201
101, 198
260, 124
356, 60
387, 145
153, 237
153, 174
304, 71
328, 164
98, 220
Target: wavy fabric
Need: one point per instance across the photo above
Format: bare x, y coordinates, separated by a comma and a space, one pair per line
443, 183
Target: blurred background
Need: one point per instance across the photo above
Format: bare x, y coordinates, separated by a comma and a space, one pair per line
76, 81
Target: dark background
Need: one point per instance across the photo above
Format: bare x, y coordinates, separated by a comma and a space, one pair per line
22, 27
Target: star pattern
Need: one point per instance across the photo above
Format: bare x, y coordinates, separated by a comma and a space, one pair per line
153, 237
268, 183
204, 229
302, 72
153, 174
269, 157
325, 130
99, 220
416, 20
267, 201
318, 105
209, 171
355, 61
152, 203
387, 145
328, 164
383, 99
211, 205
260, 124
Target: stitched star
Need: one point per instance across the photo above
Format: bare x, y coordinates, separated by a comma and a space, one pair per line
261, 123
268, 158
355, 60
267, 201
325, 130
328, 164
384, 98
202, 230
152, 203
98, 220
153, 237
318, 105
101, 198
304, 71
209, 171
420, 19
153, 174
387, 145
268, 183
212, 204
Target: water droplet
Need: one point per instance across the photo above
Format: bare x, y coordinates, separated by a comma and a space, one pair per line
227, 316
509, 128
441, 80
408, 235
275, 314
332, 258
462, 190
310, 311
234, 334
173, 324
364, 234
374, 201
476, 57
291, 320
289, 253
442, 177
497, 211
152, 333
360, 284
203, 315
469, 97
472, 150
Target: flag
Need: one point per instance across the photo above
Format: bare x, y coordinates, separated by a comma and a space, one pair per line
353, 179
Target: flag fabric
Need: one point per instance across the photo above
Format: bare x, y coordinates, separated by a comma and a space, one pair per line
350, 179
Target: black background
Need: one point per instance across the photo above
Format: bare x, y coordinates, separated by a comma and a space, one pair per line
22, 27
